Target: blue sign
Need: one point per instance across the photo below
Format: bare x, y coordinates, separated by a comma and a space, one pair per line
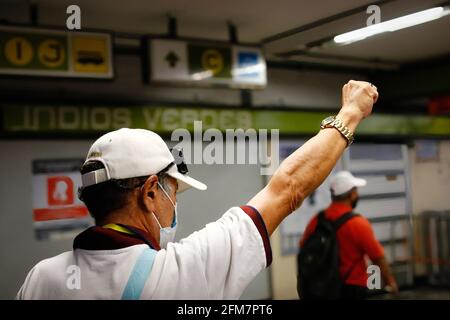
246, 60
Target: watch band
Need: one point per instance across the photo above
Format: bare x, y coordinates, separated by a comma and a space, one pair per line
339, 125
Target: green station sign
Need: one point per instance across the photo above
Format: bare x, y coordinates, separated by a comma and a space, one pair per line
73, 120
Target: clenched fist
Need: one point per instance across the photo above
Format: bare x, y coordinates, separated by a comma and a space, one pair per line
359, 96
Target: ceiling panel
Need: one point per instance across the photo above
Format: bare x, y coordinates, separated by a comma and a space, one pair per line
256, 20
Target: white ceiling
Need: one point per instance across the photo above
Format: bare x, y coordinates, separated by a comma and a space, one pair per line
420, 42
255, 20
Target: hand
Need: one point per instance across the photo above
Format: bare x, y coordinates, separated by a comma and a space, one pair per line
392, 288
358, 98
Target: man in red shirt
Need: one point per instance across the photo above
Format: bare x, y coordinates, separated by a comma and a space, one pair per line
355, 237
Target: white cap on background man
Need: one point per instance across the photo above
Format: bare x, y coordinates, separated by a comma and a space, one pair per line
344, 181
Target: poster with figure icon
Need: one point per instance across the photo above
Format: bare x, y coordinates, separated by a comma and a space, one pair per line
57, 211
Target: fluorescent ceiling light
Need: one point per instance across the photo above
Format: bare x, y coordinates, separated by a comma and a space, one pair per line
392, 25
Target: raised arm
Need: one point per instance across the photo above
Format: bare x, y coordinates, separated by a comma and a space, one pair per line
305, 169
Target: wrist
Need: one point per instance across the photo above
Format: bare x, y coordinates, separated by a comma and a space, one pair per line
350, 118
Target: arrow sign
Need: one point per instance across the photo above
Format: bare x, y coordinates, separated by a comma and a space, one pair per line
172, 59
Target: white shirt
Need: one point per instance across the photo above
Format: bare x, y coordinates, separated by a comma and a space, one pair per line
217, 262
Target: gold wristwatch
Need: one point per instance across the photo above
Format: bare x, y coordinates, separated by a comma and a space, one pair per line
333, 122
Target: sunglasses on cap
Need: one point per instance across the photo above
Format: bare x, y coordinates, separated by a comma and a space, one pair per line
179, 160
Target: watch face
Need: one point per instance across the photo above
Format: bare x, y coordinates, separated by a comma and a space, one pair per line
327, 121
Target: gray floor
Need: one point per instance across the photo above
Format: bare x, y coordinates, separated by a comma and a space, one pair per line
417, 294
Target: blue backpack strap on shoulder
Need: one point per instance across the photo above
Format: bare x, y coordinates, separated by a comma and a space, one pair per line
139, 275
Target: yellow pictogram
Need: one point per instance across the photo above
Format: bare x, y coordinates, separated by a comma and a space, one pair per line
90, 54
51, 53
212, 60
19, 51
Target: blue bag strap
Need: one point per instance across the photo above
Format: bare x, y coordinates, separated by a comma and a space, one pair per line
139, 275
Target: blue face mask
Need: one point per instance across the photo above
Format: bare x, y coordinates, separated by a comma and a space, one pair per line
167, 234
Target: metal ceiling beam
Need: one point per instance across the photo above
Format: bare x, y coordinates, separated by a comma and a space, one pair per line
316, 66
320, 22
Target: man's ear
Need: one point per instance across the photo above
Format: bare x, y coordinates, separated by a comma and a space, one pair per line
148, 193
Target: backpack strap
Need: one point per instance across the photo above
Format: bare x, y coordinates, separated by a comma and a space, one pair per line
139, 275
321, 215
343, 219
142, 268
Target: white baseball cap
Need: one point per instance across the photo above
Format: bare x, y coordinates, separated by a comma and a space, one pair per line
129, 153
344, 181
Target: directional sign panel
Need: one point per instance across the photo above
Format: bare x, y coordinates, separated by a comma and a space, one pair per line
170, 62
91, 54
200, 63
41, 52
249, 66
209, 62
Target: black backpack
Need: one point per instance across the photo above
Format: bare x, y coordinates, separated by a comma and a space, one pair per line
318, 261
